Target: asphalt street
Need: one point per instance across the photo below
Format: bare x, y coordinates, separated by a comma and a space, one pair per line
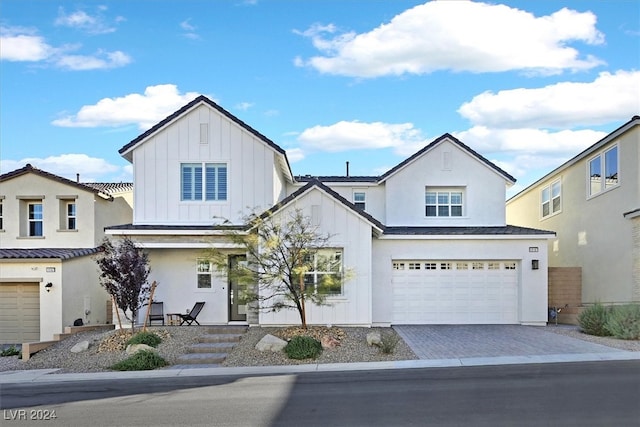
603, 393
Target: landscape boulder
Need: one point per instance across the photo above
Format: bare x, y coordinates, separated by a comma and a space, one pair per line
374, 338
271, 343
80, 347
134, 348
329, 342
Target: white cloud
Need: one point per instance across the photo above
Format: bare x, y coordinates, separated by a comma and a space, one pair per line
22, 44
189, 30
81, 20
145, 110
91, 169
295, 155
458, 36
244, 106
355, 135
610, 97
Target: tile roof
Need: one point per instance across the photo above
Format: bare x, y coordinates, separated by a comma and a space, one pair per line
111, 187
47, 253
461, 231
30, 169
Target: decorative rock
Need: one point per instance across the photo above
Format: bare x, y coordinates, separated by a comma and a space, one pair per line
271, 343
80, 347
134, 348
329, 342
374, 338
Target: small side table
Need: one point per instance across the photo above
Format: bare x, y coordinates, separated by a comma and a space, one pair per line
173, 319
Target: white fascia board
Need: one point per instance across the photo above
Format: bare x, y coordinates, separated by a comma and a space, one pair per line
138, 232
186, 245
468, 237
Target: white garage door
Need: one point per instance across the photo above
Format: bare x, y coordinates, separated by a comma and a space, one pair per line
19, 313
455, 292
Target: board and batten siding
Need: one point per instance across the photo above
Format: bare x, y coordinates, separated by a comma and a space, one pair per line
250, 170
352, 234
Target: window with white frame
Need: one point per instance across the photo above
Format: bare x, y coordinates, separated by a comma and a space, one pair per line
603, 171
203, 181
204, 270
68, 215
325, 271
35, 219
443, 202
360, 199
1, 215
71, 216
551, 198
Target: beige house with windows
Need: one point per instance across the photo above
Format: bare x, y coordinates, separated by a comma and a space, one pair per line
592, 202
50, 227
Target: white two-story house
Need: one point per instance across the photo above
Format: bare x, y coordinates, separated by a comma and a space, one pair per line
427, 242
50, 227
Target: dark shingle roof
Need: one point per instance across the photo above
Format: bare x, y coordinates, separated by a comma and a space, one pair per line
30, 169
47, 253
461, 231
160, 227
346, 179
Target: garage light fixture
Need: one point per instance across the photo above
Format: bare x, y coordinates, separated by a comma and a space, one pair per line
535, 264
48, 286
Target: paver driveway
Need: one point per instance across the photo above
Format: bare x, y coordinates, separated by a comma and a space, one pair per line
463, 341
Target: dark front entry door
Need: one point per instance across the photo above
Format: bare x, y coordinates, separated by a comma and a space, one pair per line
237, 305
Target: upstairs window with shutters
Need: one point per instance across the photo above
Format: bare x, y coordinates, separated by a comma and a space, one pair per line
203, 181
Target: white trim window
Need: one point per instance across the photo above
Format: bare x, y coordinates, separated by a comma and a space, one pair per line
35, 219
203, 181
71, 216
603, 171
443, 203
360, 199
325, 271
551, 199
204, 271
1, 215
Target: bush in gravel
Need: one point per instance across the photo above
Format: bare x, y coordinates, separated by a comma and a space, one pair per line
593, 320
624, 322
388, 342
11, 351
141, 361
303, 347
148, 338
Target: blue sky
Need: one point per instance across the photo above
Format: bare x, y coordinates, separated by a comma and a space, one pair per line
527, 84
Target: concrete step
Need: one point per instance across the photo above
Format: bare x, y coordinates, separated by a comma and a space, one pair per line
211, 347
219, 338
201, 358
226, 329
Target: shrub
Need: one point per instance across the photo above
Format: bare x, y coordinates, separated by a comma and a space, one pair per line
148, 338
593, 320
141, 361
624, 322
11, 351
388, 342
303, 347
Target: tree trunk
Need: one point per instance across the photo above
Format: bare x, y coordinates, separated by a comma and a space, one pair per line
113, 301
303, 313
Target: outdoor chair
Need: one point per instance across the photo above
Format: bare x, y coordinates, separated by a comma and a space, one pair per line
190, 317
157, 312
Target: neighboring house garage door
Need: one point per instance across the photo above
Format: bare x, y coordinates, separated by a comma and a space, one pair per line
455, 292
19, 313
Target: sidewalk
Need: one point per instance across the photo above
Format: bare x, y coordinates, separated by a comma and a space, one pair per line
48, 375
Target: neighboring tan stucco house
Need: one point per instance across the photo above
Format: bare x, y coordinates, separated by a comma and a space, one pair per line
50, 227
592, 202
427, 242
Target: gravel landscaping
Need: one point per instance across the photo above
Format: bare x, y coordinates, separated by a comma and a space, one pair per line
107, 348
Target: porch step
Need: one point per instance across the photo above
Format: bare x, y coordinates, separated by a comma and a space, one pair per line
212, 347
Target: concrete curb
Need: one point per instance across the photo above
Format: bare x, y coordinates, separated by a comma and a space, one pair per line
45, 375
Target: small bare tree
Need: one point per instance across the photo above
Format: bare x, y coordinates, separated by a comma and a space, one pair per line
283, 258
124, 270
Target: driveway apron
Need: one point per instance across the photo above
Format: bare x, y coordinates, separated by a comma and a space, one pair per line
463, 341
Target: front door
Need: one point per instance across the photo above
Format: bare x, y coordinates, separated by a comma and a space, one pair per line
237, 305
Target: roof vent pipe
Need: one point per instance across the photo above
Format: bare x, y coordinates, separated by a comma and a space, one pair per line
78, 178
347, 168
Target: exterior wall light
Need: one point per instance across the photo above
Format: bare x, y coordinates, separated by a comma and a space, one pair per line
48, 286
535, 264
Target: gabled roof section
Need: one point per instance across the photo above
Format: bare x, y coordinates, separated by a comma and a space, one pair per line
635, 121
111, 187
455, 141
30, 169
506, 230
126, 150
315, 183
44, 253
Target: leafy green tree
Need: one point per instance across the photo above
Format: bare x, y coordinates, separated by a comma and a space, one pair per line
124, 270
281, 252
